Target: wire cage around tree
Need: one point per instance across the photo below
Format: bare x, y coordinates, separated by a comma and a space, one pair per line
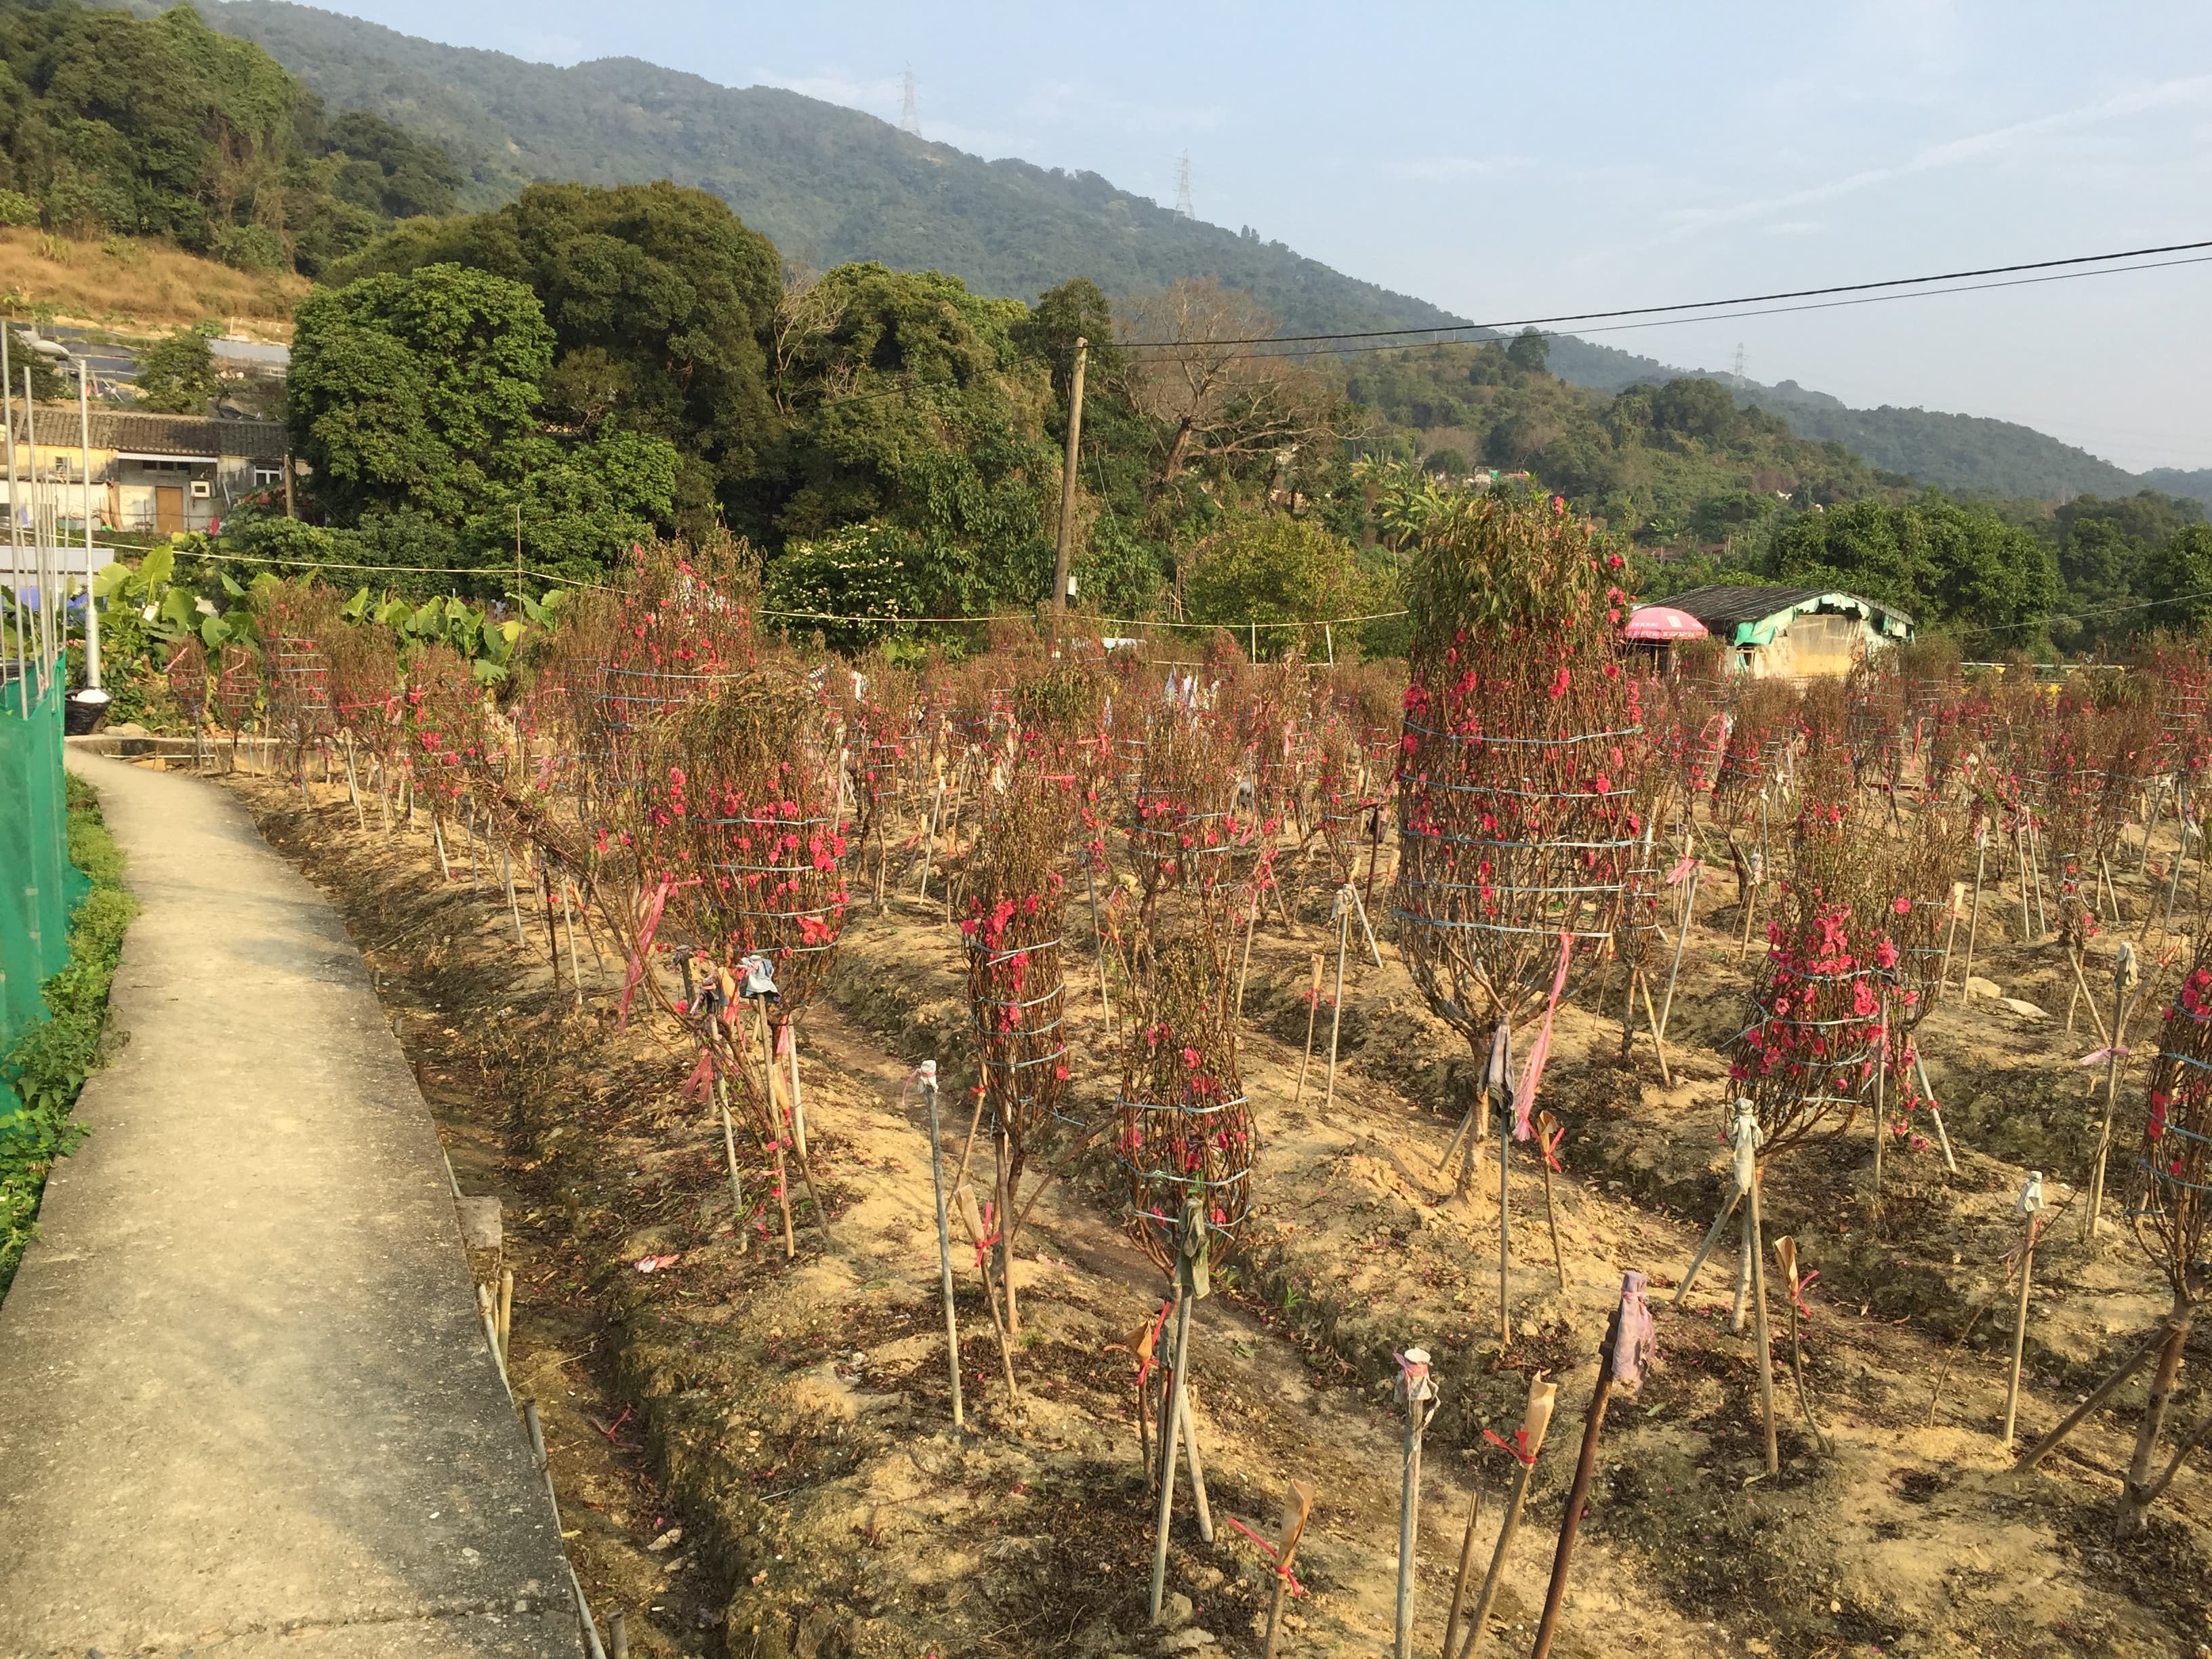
1491, 874
2171, 1204
1184, 1129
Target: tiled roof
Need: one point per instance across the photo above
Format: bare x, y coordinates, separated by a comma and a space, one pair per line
138, 433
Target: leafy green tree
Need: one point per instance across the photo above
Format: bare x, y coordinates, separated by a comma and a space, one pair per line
1269, 567
176, 374
45, 382
408, 392
922, 414
1692, 407
1948, 564
658, 299
2179, 576
1529, 352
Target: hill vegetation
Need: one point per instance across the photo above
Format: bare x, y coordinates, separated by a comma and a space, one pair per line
829, 185
161, 127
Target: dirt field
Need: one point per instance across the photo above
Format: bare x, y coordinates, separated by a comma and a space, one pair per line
755, 1454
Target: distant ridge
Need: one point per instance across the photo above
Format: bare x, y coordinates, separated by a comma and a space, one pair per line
828, 184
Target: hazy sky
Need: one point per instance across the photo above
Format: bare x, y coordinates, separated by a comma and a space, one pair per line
1508, 161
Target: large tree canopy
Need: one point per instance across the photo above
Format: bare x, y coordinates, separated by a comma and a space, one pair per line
1948, 564
658, 298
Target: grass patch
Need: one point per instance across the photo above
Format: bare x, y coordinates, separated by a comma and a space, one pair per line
49, 1063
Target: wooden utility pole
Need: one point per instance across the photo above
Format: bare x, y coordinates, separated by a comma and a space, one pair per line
1068, 481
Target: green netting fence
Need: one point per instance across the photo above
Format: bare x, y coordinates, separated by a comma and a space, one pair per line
39, 885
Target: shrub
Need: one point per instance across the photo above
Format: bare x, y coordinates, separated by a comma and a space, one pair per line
250, 247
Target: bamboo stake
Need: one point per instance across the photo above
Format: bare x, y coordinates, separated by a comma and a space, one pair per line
1689, 911
1934, 1111
1418, 1390
730, 1153
1881, 1100
1199, 1507
438, 838
1313, 1014
505, 1312
806, 1169
1712, 1237
1535, 1423
1251, 924
1098, 944
507, 874
1173, 1420
2125, 977
2030, 1208
569, 927
1752, 1242
2134, 1363
1974, 926
927, 1074
1658, 1041
1336, 1010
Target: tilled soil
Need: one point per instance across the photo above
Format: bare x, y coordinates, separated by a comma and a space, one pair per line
755, 1454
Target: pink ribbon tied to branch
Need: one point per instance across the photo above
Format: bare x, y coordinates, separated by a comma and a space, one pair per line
1680, 872
1524, 1097
649, 925
2101, 1056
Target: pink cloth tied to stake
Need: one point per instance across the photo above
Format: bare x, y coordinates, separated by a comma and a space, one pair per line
1635, 1345
1524, 1097
649, 925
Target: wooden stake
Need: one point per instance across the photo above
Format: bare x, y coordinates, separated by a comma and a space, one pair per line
1689, 911
730, 1153
569, 927
1418, 1391
928, 1077
1313, 1014
2134, 1363
972, 1220
1199, 1507
1658, 1041
1173, 1420
1752, 1242
1336, 1010
2020, 1324
438, 839
1535, 1422
506, 1311
507, 874
1465, 1564
1251, 924
1974, 925
1578, 1494
1934, 1111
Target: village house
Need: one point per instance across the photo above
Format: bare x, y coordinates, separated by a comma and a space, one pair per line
161, 473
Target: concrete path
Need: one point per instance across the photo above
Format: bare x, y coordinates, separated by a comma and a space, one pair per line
246, 1405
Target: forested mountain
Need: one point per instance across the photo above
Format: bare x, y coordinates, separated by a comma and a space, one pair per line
112, 125
2175, 481
824, 183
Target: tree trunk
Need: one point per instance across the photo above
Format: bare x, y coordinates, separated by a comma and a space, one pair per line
2141, 1488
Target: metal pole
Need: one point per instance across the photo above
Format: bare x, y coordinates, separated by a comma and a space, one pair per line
91, 610
23, 641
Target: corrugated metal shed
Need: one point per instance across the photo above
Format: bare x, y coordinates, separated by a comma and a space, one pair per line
1754, 616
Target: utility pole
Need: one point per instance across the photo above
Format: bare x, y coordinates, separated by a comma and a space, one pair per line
1068, 482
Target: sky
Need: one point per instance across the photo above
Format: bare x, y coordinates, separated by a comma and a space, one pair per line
1505, 162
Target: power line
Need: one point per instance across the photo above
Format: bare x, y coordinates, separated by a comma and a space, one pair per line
1699, 305
1161, 354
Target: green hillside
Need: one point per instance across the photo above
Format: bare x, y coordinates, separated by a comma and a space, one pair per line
2196, 484
826, 184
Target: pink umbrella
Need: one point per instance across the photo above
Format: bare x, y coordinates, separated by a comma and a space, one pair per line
1662, 622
